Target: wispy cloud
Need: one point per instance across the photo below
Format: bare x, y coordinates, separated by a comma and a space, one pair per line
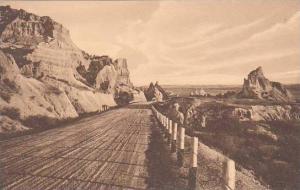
196, 42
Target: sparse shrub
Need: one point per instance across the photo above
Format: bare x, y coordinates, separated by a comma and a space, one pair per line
2, 70
40, 121
104, 85
54, 90
78, 107
81, 70
5, 96
50, 109
123, 98
11, 84
13, 113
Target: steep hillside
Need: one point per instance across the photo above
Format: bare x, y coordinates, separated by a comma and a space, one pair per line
43, 73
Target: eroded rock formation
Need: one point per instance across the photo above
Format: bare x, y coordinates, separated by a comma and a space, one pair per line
155, 92
44, 73
259, 87
175, 115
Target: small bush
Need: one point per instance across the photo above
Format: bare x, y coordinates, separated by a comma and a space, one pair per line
2, 70
104, 85
11, 84
123, 98
49, 109
13, 113
5, 96
40, 121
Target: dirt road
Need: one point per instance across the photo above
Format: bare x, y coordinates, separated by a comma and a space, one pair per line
118, 149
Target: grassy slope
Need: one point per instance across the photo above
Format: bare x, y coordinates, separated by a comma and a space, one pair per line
270, 149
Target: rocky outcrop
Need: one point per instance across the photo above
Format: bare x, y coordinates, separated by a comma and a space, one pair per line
155, 92
44, 73
7, 125
175, 115
198, 115
123, 73
106, 79
106, 75
23, 28
267, 113
259, 87
200, 92
49, 97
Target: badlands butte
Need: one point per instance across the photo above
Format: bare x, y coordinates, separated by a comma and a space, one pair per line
46, 81
45, 76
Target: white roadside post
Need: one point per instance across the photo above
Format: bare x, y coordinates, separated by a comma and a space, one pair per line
229, 174
180, 153
166, 127
174, 137
170, 132
193, 181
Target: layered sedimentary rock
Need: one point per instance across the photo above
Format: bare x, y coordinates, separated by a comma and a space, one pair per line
123, 72
44, 73
106, 79
48, 97
259, 87
197, 116
7, 125
106, 75
267, 113
155, 92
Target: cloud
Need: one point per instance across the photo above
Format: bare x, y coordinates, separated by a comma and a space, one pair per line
197, 49
181, 42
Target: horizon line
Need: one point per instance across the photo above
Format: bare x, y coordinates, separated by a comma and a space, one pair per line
207, 84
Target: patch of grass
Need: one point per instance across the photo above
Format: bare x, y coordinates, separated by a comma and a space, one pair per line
274, 162
269, 148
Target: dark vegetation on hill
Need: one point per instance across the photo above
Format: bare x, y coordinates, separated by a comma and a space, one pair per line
257, 126
268, 143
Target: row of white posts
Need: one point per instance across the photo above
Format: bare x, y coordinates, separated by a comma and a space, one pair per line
171, 128
105, 107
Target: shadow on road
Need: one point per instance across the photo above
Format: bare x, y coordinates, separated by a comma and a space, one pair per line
161, 167
138, 106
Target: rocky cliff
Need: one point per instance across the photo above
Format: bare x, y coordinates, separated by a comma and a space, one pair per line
155, 91
44, 73
259, 87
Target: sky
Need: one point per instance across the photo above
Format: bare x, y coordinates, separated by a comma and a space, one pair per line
185, 42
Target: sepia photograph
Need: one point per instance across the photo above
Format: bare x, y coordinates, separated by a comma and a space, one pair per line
150, 95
